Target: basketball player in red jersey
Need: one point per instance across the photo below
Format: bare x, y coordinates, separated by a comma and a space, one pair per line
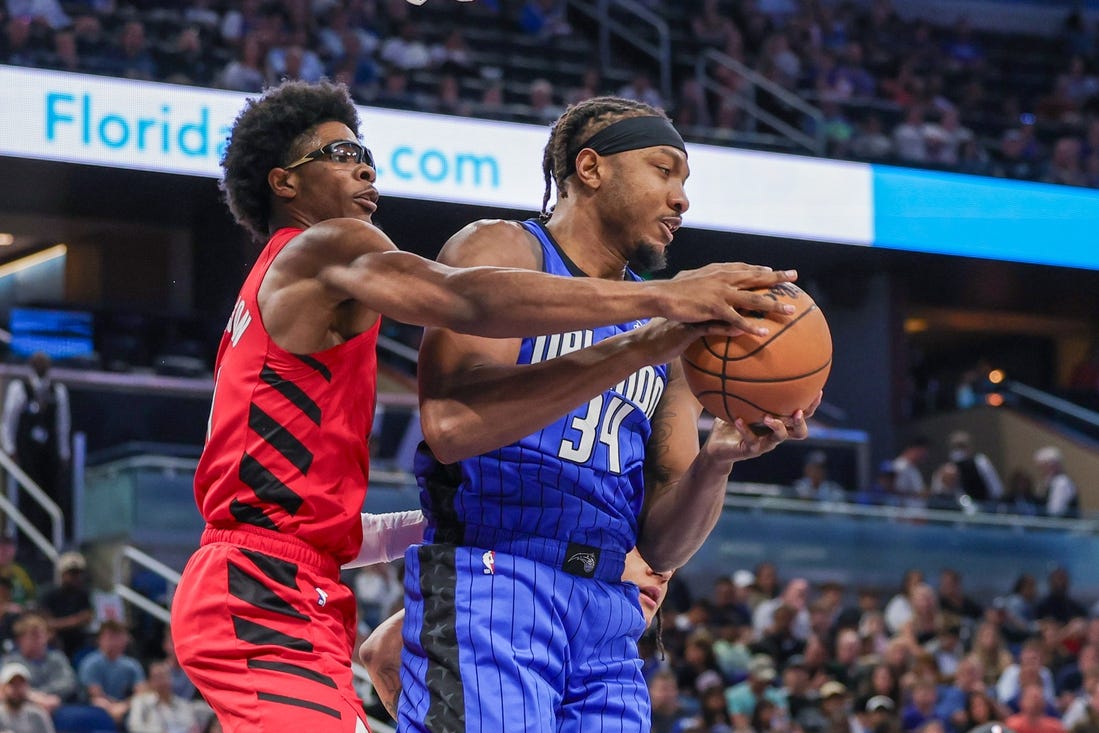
261, 623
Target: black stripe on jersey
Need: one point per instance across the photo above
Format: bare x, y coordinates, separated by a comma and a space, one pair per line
441, 482
293, 669
446, 709
316, 365
279, 438
278, 570
267, 486
260, 635
292, 392
251, 514
251, 590
298, 702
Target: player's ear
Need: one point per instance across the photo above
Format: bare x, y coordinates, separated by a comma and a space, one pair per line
589, 168
281, 183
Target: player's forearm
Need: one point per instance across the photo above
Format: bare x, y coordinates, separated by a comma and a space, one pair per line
494, 406
498, 302
680, 515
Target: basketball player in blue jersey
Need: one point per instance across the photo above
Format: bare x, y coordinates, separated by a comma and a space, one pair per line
548, 458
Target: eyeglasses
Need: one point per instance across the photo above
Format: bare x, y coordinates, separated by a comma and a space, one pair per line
342, 152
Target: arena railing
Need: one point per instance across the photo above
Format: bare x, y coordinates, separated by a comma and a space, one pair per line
814, 143
602, 11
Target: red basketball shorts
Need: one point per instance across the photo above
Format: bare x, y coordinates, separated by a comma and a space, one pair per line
264, 628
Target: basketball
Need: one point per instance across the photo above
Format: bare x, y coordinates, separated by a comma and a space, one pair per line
750, 376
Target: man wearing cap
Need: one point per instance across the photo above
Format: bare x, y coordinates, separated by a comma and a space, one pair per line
52, 678
833, 704
814, 483
880, 715
68, 605
17, 713
742, 698
979, 478
1054, 484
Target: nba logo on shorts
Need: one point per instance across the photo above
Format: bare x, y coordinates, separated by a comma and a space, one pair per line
489, 559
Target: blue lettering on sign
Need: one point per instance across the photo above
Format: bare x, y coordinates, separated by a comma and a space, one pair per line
117, 130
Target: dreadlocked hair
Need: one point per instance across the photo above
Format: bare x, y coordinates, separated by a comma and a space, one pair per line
578, 123
263, 136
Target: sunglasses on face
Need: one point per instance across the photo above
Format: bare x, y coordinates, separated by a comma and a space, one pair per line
341, 152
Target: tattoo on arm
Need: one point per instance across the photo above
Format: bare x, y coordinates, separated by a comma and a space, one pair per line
390, 689
656, 471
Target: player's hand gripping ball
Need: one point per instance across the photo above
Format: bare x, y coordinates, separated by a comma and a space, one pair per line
749, 376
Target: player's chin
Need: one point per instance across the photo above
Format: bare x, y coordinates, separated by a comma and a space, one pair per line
649, 256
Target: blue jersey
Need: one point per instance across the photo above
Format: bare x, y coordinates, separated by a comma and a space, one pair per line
570, 492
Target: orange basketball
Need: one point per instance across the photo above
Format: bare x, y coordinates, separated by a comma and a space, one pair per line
750, 376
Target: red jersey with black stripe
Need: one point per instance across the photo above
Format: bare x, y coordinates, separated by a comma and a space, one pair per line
287, 444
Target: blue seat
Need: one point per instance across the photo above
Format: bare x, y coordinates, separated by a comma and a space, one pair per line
83, 719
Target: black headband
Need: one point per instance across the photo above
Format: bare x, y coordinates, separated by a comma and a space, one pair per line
632, 133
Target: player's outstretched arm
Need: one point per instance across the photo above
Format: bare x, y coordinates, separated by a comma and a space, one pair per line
363, 265
684, 485
381, 655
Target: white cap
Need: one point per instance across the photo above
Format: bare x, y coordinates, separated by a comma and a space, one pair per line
11, 670
1049, 454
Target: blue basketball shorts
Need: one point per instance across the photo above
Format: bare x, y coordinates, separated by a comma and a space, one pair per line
496, 642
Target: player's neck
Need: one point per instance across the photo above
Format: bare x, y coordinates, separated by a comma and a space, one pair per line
588, 245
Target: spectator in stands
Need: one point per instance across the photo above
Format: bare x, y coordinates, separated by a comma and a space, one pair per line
765, 584
591, 85
980, 709
869, 141
1032, 716
35, 431
47, 12
51, 677
834, 704
448, 98
814, 483
131, 58
110, 677
926, 615
395, 92
910, 485
246, 72
181, 683
186, 60
990, 652
66, 55
1058, 603
1018, 608
1019, 494
795, 595
545, 18
1084, 717
492, 102
964, 52
979, 479
945, 488
293, 61
922, 707
159, 709
909, 141
452, 56
953, 599
406, 51
741, 698
19, 580
542, 107
9, 612
965, 678
1030, 664
68, 605
697, 660
355, 67
640, 89
1064, 166
898, 611
778, 641
18, 714
1054, 486
710, 26
667, 704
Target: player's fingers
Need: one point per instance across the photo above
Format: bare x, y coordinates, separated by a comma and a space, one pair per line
752, 300
765, 277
